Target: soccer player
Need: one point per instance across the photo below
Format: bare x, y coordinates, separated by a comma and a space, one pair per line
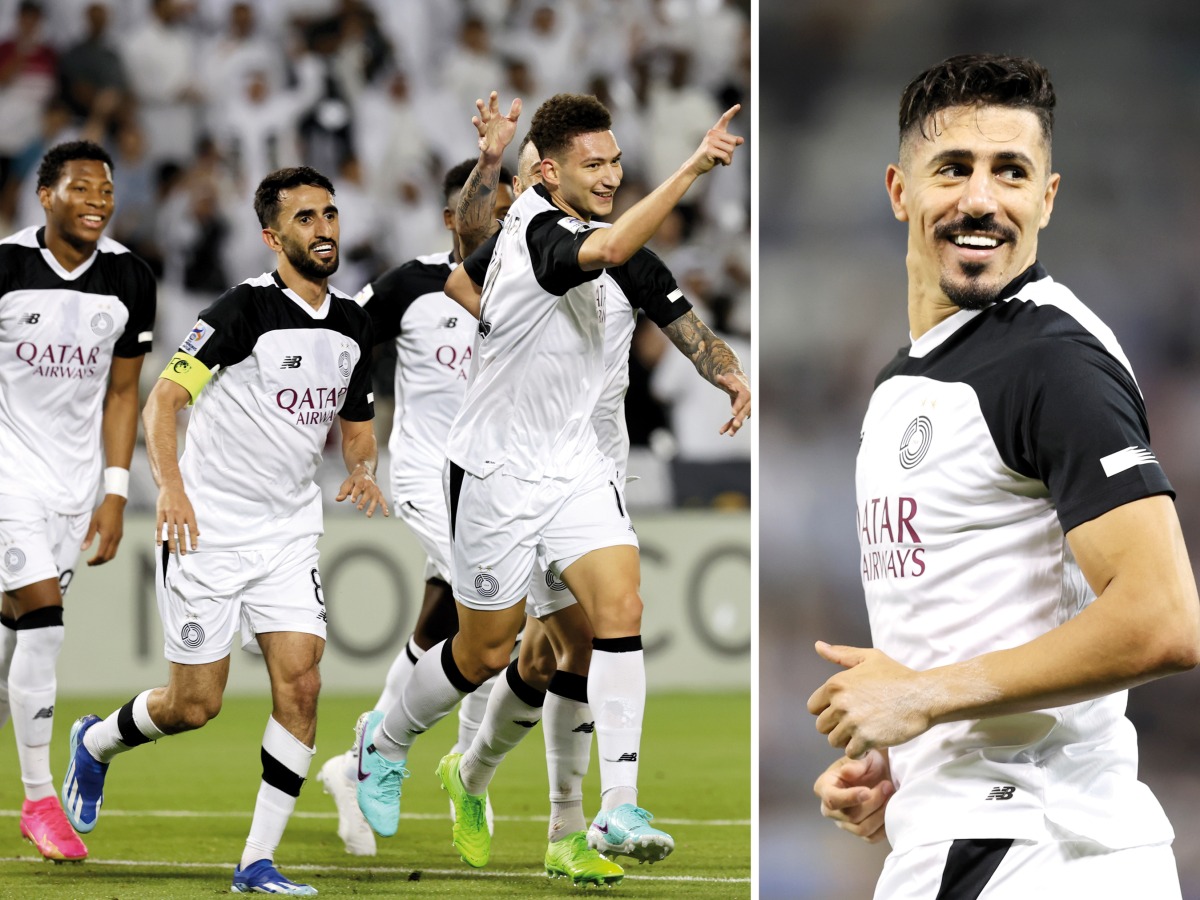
526, 478
433, 337
270, 367
1021, 556
76, 317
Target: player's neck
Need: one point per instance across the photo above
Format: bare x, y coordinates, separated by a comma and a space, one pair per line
566, 207
69, 254
310, 291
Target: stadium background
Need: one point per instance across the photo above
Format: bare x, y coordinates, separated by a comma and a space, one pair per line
1123, 237
196, 101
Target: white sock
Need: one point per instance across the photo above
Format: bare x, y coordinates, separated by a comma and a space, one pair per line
285, 766
435, 686
8, 643
470, 714
567, 725
399, 673
31, 693
617, 695
128, 727
513, 710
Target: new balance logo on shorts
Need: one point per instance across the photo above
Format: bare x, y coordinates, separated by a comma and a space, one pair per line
46, 712
1002, 793
291, 362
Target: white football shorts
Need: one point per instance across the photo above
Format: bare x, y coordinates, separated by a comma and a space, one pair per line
207, 596
425, 513
503, 526
37, 544
1032, 869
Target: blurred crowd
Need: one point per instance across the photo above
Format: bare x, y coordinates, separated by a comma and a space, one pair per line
196, 101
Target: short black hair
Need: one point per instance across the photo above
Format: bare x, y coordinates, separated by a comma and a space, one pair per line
456, 178
563, 117
266, 197
980, 79
59, 155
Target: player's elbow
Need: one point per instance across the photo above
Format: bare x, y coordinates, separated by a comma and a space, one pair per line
1175, 644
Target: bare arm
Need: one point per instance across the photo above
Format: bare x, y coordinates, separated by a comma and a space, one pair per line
716, 362
1143, 624
174, 508
361, 453
119, 432
606, 247
461, 288
475, 219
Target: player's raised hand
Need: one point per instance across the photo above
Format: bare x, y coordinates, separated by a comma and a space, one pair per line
854, 794
738, 388
718, 144
176, 520
363, 492
108, 521
495, 131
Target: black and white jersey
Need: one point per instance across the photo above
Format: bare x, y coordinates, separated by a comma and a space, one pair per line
644, 283
281, 373
59, 332
987, 440
538, 365
434, 339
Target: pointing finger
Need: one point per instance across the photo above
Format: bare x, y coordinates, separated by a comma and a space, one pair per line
723, 122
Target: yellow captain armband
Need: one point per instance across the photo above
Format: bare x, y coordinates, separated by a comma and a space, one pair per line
188, 372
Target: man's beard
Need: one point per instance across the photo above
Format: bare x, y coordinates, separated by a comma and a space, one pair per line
306, 264
971, 294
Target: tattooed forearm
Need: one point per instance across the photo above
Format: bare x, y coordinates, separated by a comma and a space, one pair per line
695, 340
475, 219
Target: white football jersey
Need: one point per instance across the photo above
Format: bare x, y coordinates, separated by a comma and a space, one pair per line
59, 332
538, 365
283, 372
434, 339
987, 440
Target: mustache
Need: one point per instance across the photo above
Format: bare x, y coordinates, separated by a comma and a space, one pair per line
985, 225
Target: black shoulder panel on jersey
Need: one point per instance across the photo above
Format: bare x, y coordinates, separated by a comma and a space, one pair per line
139, 294
236, 319
394, 291
477, 263
649, 285
1055, 401
554, 239
353, 321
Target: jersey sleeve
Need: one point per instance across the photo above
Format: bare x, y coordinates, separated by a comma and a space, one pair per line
359, 405
388, 297
225, 332
554, 239
1083, 431
140, 298
651, 287
477, 263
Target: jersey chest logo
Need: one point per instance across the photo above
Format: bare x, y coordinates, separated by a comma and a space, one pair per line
915, 443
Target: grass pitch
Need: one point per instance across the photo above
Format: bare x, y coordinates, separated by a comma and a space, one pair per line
177, 812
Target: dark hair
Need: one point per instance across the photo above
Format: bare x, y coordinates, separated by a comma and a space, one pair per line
59, 155
266, 197
563, 117
978, 80
457, 177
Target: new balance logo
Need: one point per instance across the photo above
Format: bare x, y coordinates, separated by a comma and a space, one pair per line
291, 362
30, 318
46, 712
1118, 462
627, 757
524, 723
585, 728
1002, 793
451, 322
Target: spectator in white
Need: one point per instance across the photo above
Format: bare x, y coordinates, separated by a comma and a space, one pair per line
674, 104
91, 66
550, 42
232, 56
27, 74
160, 60
722, 44
471, 66
394, 145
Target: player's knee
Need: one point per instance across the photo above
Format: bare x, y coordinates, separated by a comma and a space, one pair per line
491, 661
576, 656
620, 613
189, 714
537, 669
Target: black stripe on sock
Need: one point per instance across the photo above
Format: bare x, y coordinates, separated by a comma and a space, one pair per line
279, 776
569, 685
131, 735
456, 480
526, 693
8, 623
970, 865
42, 617
618, 645
450, 667
412, 657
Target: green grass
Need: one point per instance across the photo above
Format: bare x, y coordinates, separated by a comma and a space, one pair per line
176, 813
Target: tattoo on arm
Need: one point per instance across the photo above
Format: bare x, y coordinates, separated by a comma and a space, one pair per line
695, 340
476, 207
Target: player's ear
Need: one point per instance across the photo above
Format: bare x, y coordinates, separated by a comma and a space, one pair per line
894, 181
550, 173
448, 218
271, 239
44, 197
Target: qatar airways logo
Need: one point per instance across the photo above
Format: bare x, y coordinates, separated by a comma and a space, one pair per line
311, 406
887, 534
59, 360
451, 358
